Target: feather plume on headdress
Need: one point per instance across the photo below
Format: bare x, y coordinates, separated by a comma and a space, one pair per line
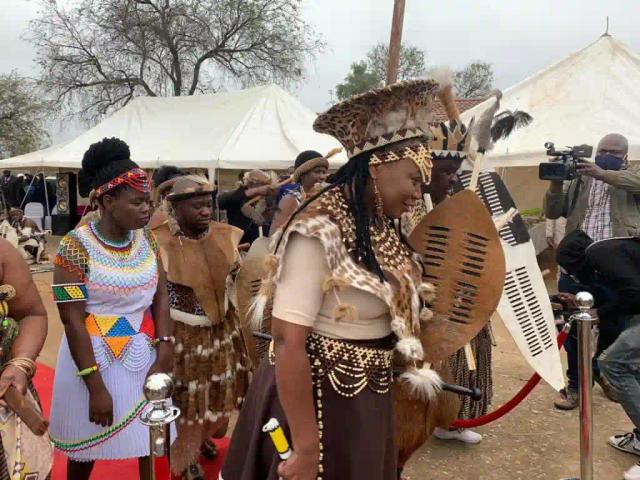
482, 130
444, 77
492, 127
506, 122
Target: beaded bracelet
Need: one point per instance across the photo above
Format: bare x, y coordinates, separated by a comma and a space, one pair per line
4, 313
171, 339
69, 292
87, 371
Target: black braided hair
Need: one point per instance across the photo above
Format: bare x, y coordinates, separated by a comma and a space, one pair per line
354, 178
104, 161
164, 173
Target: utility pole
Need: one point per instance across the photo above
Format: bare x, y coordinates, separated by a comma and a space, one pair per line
395, 41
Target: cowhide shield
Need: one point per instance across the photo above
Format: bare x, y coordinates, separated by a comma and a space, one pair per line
248, 283
250, 276
462, 256
524, 308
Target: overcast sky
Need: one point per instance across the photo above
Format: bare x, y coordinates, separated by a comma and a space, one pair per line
517, 37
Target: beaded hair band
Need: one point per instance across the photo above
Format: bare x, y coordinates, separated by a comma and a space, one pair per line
135, 178
69, 292
420, 154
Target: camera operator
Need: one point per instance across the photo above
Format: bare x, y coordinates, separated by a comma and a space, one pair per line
612, 269
603, 201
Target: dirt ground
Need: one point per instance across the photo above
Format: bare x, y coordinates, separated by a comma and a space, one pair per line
535, 441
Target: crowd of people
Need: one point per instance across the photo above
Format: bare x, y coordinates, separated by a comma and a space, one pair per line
146, 283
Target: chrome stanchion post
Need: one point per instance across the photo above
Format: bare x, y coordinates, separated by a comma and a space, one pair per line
158, 389
584, 301
583, 318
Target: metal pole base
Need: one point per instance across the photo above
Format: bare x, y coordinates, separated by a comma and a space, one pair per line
585, 301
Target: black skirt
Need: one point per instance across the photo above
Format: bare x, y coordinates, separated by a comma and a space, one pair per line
357, 431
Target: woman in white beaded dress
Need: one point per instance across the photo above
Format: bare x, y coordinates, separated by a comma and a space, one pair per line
113, 302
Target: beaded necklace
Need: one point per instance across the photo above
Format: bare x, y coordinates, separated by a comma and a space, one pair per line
101, 437
111, 244
390, 251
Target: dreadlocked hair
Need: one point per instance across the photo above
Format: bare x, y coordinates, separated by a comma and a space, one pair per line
353, 177
104, 161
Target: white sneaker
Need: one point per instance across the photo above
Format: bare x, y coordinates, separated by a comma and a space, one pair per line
626, 443
633, 473
462, 435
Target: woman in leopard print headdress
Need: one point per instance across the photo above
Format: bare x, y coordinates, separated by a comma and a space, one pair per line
344, 291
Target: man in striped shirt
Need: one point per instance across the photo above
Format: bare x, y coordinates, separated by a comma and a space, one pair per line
603, 202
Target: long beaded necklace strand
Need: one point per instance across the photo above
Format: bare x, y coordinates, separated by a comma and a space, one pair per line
101, 437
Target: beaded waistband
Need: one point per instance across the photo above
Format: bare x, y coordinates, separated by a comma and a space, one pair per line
117, 331
350, 367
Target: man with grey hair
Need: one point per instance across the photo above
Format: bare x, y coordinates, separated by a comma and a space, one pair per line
603, 202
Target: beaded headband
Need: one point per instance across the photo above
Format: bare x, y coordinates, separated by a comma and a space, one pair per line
420, 154
135, 178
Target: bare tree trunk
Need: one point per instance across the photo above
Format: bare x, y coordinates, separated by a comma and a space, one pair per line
395, 41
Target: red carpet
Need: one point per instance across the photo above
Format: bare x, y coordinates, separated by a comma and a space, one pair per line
122, 470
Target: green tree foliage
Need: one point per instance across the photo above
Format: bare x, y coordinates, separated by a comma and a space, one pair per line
372, 72
357, 81
411, 65
474, 81
21, 116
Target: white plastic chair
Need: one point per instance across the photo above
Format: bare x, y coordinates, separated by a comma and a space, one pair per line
34, 211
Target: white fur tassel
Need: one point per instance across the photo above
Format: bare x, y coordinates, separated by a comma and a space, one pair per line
256, 310
399, 327
443, 75
410, 348
424, 383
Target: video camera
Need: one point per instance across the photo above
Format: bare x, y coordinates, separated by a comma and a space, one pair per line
563, 163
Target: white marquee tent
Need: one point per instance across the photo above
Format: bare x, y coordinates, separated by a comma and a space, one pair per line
261, 127
577, 100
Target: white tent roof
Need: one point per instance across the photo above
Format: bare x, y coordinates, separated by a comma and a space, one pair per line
261, 127
577, 100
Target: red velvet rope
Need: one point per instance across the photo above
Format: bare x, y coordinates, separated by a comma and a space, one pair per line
162, 468
511, 404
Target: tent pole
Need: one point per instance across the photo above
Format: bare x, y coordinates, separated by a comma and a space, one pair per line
46, 194
27, 192
212, 172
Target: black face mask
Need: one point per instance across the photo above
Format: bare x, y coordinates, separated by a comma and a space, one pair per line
609, 161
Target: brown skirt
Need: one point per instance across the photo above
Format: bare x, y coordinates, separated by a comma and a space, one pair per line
357, 434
